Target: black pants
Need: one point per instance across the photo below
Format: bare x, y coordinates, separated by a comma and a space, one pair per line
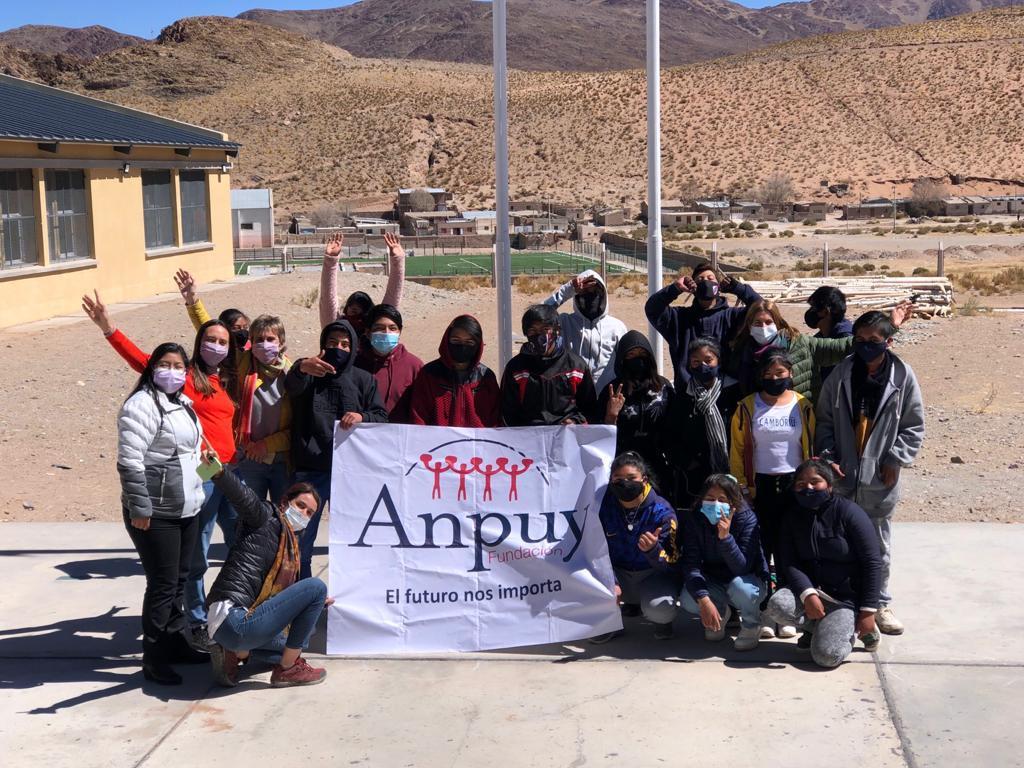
773, 497
166, 551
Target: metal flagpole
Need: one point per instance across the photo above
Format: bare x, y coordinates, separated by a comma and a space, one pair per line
502, 252
654, 273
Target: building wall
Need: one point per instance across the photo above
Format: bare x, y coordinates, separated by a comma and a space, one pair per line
262, 233
120, 267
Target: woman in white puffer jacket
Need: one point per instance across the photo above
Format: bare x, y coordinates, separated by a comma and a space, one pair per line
158, 451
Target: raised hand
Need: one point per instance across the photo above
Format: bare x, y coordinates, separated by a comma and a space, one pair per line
686, 284
315, 366
649, 539
96, 310
186, 285
902, 312
394, 244
332, 250
616, 401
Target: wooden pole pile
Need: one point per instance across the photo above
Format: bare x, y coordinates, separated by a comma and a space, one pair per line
933, 296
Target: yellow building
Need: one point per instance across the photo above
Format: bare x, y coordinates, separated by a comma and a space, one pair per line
94, 195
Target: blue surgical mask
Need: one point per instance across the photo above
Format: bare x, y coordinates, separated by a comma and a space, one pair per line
384, 342
295, 519
714, 510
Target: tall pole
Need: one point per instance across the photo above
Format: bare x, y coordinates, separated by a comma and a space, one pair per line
654, 274
502, 252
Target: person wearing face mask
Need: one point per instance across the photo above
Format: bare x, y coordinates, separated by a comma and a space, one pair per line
158, 454
698, 439
637, 402
721, 565
206, 385
827, 315
235, 320
456, 389
709, 316
258, 601
871, 426
324, 390
358, 305
383, 355
772, 433
264, 418
640, 528
589, 330
546, 383
829, 553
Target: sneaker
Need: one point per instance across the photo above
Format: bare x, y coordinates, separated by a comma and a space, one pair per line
299, 673
630, 610
747, 639
871, 640
713, 637
887, 622
804, 641
199, 638
767, 632
225, 666
786, 632
663, 632
606, 637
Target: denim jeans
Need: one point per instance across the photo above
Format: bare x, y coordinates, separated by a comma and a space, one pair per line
744, 592
215, 510
298, 607
307, 539
832, 638
264, 478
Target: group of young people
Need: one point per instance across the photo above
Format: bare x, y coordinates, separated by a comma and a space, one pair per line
714, 498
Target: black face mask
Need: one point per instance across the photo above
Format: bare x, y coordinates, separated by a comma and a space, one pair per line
626, 490
462, 353
705, 374
336, 358
811, 318
775, 387
810, 498
869, 350
241, 337
636, 367
706, 290
590, 304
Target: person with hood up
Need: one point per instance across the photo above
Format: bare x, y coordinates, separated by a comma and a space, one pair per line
589, 330
546, 383
709, 316
389, 362
637, 402
457, 390
324, 390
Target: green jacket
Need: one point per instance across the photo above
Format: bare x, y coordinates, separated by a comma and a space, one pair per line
809, 355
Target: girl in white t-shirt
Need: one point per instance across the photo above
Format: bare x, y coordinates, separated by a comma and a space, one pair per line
772, 434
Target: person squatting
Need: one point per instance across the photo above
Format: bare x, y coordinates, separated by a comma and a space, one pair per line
758, 486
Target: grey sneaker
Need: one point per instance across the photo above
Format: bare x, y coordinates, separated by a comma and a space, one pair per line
887, 622
199, 638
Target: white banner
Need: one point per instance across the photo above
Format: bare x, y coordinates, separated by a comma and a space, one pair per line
447, 539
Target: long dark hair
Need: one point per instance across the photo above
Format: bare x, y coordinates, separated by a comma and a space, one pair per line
729, 485
200, 375
146, 378
296, 490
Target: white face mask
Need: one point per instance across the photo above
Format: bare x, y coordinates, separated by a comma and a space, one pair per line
297, 520
763, 334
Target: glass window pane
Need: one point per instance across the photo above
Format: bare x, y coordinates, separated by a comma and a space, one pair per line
156, 206
17, 219
67, 215
194, 226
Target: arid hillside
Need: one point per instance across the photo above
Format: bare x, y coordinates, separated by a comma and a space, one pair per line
317, 124
83, 43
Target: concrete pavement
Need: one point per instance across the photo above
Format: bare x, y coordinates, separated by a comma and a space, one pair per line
947, 693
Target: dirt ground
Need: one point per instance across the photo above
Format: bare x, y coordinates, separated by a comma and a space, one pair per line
62, 384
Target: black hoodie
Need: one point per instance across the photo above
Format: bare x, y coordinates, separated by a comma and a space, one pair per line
318, 402
540, 391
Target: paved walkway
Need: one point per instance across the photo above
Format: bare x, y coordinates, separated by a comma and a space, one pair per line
948, 693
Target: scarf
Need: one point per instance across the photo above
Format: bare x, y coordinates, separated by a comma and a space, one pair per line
867, 390
283, 572
706, 403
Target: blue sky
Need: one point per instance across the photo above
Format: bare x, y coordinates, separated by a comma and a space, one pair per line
146, 19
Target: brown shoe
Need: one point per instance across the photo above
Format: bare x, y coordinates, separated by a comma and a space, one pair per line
299, 673
225, 665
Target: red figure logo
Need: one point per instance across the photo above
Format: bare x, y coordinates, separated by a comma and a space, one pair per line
437, 468
513, 471
488, 472
476, 465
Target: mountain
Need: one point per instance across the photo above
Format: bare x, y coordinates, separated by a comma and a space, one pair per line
592, 35
870, 108
84, 43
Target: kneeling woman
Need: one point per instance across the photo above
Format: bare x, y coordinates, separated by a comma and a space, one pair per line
256, 597
640, 528
828, 550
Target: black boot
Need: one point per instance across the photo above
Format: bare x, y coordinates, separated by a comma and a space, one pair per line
178, 650
155, 667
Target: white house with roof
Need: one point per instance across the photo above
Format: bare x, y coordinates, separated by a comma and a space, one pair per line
252, 218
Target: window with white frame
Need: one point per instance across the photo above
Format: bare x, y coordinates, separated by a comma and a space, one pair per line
158, 209
195, 225
67, 216
17, 219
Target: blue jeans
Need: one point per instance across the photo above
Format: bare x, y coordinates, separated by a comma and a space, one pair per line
215, 510
264, 478
297, 608
745, 592
307, 539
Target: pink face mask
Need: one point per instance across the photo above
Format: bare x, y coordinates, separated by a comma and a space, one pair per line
212, 354
266, 351
168, 380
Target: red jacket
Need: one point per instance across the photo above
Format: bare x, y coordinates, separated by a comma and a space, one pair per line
395, 374
442, 397
216, 412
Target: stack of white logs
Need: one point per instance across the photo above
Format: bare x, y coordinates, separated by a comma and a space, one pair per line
933, 296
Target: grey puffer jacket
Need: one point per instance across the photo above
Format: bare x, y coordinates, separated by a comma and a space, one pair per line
158, 445
895, 438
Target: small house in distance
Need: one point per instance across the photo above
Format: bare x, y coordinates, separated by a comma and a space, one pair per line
408, 200
717, 210
610, 217
252, 218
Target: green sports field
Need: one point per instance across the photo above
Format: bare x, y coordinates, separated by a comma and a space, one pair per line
523, 263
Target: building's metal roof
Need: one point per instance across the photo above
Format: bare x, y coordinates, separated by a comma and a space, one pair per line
33, 112
431, 190
252, 198
471, 215
712, 203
